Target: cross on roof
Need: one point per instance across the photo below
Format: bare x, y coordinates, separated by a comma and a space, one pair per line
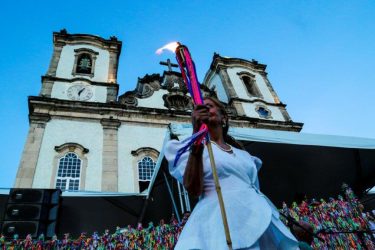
169, 64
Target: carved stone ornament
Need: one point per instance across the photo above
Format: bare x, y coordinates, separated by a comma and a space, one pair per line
173, 82
152, 81
128, 99
147, 85
149, 78
144, 90
177, 101
155, 85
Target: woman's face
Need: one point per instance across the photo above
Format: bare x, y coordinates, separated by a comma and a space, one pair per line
215, 115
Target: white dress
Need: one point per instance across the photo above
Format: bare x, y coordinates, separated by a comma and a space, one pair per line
252, 218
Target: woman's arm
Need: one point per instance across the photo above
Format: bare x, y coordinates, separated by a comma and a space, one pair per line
193, 176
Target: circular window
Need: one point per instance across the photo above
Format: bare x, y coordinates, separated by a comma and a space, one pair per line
263, 112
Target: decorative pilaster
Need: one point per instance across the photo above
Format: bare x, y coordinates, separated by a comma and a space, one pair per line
238, 106
114, 52
30, 154
285, 114
112, 92
269, 85
110, 155
58, 46
112, 70
47, 85
227, 83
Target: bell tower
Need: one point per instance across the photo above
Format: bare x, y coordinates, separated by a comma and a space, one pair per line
243, 85
83, 68
72, 138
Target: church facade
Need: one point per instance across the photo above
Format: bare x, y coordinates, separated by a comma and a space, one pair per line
84, 135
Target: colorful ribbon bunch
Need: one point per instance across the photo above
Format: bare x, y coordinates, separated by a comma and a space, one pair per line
331, 221
161, 237
188, 72
189, 75
340, 222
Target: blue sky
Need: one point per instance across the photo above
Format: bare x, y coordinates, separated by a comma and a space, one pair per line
320, 54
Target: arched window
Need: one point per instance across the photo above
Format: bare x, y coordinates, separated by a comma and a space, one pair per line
84, 63
69, 172
250, 84
146, 168
144, 165
69, 167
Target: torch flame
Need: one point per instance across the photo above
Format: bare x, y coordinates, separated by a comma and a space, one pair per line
170, 46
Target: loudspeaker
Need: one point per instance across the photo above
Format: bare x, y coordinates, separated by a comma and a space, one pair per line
23, 228
34, 196
31, 211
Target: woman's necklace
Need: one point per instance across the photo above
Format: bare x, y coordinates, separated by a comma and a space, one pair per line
229, 150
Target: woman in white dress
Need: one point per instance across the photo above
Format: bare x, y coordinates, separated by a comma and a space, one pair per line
252, 218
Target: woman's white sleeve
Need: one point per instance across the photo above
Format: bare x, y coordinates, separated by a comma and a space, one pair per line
176, 168
258, 163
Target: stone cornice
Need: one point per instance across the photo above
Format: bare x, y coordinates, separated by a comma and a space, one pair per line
39, 118
63, 37
86, 50
65, 109
139, 150
140, 115
245, 73
219, 62
53, 78
228, 61
71, 145
244, 121
257, 100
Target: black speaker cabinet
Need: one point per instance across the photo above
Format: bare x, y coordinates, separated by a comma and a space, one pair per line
34, 196
31, 211
34, 228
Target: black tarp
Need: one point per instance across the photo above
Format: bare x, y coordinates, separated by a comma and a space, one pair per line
291, 172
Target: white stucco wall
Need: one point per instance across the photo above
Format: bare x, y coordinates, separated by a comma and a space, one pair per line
59, 90
66, 63
240, 88
154, 101
133, 137
250, 111
58, 132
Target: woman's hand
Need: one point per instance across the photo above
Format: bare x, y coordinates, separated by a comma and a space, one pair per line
199, 116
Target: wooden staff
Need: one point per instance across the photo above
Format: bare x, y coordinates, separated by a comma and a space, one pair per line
219, 194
